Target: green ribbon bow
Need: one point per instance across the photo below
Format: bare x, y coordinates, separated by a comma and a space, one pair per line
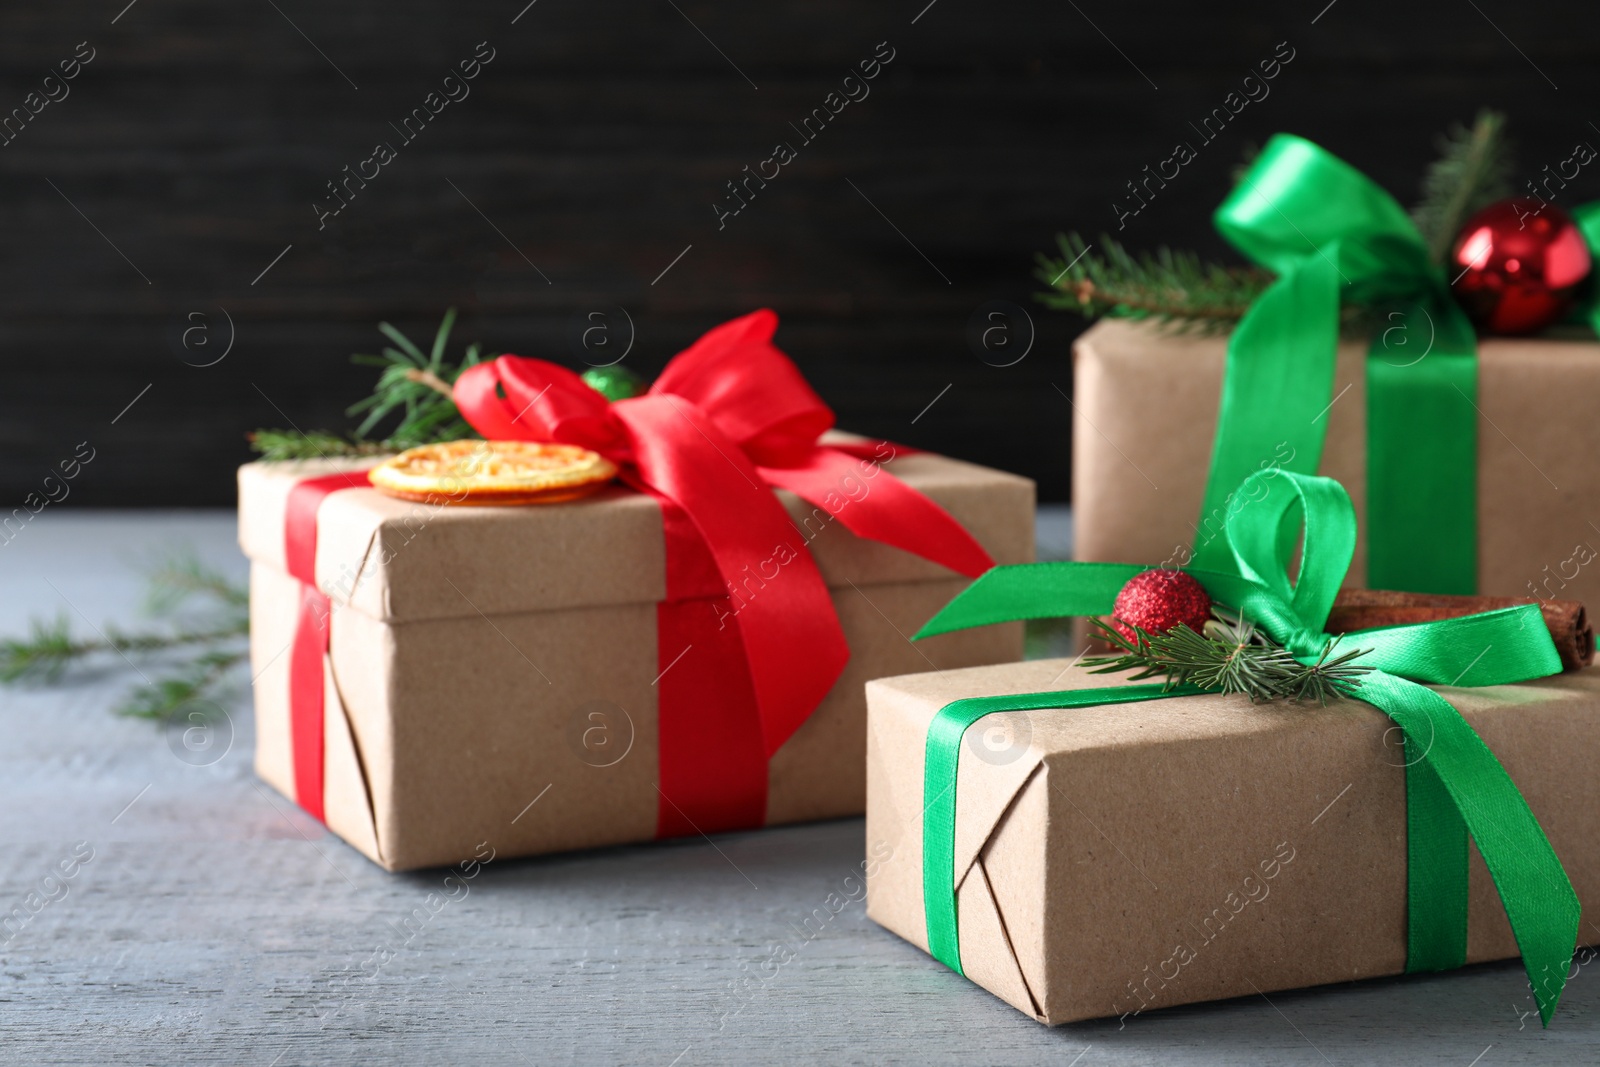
1454, 783
1328, 230
1587, 216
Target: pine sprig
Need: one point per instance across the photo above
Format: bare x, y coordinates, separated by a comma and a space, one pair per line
44, 654
50, 649
194, 681
413, 384
317, 444
417, 386
1185, 293
177, 580
1177, 289
1473, 170
191, 660
1231, 656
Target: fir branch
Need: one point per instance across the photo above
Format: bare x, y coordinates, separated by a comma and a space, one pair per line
416, 386
413, 385
180, 578
198, 657
433, 381
44, 653
50, 650
318, 444
201, 678
1231, 656
1177, 289
1472, 171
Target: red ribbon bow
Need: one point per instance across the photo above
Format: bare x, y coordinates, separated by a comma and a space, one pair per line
729, 418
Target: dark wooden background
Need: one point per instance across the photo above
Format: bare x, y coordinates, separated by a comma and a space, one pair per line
201, 134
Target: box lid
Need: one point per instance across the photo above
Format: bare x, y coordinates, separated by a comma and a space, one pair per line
395, 559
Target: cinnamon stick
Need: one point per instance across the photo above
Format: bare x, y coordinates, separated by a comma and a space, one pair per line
1364, 609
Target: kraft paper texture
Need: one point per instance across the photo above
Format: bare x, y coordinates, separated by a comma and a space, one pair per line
1147, 412
487, 659
1115, 860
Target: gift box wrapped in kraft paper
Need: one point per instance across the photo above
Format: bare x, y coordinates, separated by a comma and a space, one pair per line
1147, 413
1468, 457
431, 676
1084, 847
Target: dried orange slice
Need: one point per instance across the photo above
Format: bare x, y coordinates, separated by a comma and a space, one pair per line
493, 472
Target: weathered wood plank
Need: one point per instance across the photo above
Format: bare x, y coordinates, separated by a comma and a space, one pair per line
214, 924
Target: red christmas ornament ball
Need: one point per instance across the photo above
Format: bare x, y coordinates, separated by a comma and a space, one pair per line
1516, 264
1160, 600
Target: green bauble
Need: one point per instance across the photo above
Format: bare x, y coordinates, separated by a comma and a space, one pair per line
615, 382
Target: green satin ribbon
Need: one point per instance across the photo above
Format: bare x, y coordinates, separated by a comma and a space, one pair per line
1454, 784
1330, 233
1587, 216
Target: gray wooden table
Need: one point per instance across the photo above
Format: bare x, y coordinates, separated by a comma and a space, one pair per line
216, 924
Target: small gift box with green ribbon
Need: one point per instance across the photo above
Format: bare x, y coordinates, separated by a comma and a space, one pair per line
1468, 457
1086, 849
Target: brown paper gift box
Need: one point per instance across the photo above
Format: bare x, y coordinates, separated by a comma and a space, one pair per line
1146, 412
469, 645
1124, 858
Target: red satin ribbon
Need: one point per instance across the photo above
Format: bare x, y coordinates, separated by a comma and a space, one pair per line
749, 642
306, 712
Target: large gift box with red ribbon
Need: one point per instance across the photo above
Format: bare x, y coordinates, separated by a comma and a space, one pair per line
682, 653
1087, 847
1147, 402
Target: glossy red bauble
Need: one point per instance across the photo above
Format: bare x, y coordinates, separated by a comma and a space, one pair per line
1516, 264
1160, 600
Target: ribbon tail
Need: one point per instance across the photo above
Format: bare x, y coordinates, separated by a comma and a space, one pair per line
1033, 591
1436, 868
780, 603
885, 509
1538, 898
712, 759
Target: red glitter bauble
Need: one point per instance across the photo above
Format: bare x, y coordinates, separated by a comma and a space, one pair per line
1158, 601
1516, 265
